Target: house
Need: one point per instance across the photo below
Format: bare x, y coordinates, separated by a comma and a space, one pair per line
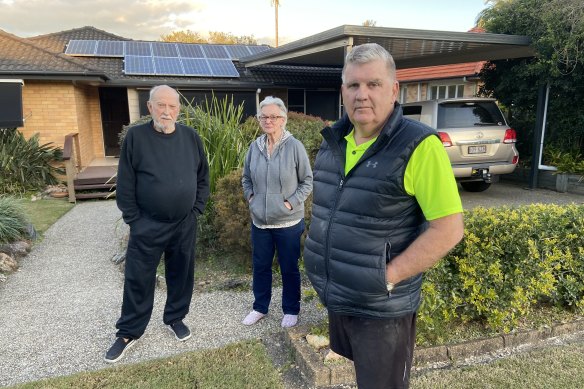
439, 82
91, 82
94, 95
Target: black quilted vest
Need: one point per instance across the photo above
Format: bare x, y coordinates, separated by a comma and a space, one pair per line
363, 220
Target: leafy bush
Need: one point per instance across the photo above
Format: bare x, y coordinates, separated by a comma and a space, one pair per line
306, 129
25, 164
13, 221
232, 221
566, 161
218, 123
510, 260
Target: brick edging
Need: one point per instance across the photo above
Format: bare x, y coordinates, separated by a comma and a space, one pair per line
318, 374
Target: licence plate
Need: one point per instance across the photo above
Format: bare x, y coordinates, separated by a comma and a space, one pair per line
477, 149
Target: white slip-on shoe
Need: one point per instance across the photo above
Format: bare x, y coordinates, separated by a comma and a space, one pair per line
289, 320
253, 317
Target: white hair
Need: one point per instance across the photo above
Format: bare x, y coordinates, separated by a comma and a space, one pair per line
271, 100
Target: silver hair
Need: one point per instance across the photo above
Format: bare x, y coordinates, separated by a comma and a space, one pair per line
158, 87
271, 100
369, 52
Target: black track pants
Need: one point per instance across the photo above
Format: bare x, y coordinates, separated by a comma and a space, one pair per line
149, 239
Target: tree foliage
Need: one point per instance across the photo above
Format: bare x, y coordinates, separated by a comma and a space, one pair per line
556, 28
184, 36
216, 37
369, 23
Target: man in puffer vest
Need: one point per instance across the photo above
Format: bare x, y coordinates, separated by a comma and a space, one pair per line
385, 209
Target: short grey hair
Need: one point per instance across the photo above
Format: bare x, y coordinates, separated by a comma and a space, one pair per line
370, 52
271, 100
158, 87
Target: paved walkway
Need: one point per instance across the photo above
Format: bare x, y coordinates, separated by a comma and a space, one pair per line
58, 313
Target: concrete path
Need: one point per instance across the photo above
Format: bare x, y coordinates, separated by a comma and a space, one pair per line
58, 312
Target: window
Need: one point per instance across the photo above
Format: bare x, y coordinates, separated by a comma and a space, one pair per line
296, 100
11, 104
446, 91
469, 114
403, 94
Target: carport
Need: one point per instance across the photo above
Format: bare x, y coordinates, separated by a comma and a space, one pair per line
410, 48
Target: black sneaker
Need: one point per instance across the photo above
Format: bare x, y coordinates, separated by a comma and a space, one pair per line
180, 330
117, 350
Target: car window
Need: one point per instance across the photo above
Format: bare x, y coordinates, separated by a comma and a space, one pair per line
469, 114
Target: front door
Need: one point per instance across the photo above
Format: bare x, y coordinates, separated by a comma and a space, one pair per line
114, 115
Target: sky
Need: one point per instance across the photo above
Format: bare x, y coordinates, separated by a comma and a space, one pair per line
149, 19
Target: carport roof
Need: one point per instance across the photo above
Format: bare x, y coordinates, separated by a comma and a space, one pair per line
409, 48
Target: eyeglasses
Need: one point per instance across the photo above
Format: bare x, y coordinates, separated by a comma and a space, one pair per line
272, 118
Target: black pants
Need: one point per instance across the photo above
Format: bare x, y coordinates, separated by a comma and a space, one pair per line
381, 349
148, 240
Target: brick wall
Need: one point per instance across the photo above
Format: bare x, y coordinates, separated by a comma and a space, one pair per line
54, 109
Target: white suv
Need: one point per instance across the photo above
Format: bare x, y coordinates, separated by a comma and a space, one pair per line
475, 134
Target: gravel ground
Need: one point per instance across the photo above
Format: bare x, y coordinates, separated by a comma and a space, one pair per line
58, 312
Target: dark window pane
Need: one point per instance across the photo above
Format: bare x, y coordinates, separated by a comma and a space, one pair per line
471, 114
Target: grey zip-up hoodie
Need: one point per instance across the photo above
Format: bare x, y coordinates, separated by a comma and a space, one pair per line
286, 175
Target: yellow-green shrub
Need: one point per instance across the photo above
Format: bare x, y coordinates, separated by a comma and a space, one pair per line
509, 260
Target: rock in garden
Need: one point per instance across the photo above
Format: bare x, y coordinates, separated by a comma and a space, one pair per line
317, 341
16, 249
7, 263
118, 258
333, 357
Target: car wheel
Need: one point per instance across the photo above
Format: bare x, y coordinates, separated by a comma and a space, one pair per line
475, 186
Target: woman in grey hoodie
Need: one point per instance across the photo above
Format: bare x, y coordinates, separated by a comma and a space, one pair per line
277, 179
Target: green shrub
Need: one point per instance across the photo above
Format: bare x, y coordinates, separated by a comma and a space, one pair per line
13, 221
566, 161
232, 221
306, 129
26, 165
218, 122
510, 260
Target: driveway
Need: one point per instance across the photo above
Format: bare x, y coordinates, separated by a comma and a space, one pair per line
511, 194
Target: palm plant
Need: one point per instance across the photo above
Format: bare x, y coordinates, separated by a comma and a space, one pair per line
26, 164
219, 123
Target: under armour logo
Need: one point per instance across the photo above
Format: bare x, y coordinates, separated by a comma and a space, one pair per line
371, 164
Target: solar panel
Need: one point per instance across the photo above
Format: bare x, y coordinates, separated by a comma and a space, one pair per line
223, 68
110, 49
215, 51
237, 51
163, 49
134, 64
187, 50
196, 67
138, 48
168, 66
257, 49
81, 47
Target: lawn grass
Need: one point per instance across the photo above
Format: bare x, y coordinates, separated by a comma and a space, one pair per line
239, 365
556, 367
43, 213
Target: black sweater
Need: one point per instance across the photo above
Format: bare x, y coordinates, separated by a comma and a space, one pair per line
161, 176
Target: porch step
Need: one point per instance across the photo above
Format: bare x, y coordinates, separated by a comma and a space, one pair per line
96, 175
94, 186
94, 195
